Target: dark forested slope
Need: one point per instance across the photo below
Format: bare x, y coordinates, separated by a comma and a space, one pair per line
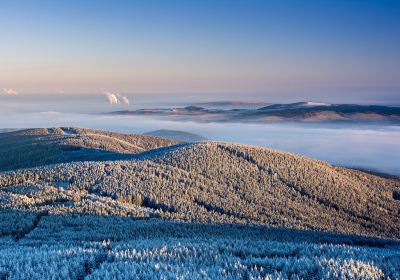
35, 147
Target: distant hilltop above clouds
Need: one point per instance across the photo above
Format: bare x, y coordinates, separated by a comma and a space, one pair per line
308, 112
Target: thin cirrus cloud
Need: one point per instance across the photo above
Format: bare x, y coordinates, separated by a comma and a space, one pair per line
9, 91
116, 98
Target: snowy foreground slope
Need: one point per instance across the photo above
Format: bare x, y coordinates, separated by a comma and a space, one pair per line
77, 247
204, 210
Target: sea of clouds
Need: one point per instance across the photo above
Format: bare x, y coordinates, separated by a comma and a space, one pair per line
373, 147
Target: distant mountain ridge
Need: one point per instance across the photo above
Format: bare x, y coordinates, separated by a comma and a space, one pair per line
295, 105
3, 130
176, 135
292, 112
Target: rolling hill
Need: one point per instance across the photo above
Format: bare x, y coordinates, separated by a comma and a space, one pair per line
35, 147
214, 183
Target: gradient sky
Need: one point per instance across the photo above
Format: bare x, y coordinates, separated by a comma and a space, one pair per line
206, 46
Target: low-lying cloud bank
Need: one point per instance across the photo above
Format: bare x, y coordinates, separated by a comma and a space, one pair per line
370, 147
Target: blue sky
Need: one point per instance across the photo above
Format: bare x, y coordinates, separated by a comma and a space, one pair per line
232, 47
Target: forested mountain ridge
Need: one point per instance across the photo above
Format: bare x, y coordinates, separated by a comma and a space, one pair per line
214, 183
35, 147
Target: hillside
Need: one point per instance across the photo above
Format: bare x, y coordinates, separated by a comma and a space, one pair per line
3, 130
176, 135
190, 211
214, 183
35, 147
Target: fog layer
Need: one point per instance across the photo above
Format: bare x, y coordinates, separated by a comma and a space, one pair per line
367, 146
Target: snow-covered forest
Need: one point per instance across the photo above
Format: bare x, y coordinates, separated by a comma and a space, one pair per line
94, 247
193, 211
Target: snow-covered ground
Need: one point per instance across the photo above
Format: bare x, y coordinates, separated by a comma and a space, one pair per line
140, 249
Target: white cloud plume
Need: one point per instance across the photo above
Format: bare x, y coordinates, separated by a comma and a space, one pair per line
10, 91
116, 98
112, 98
125, 100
